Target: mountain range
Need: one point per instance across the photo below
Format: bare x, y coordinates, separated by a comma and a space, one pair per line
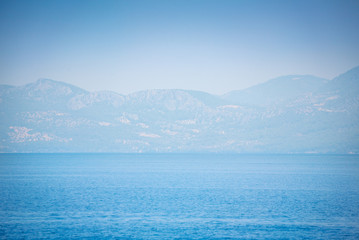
289, 114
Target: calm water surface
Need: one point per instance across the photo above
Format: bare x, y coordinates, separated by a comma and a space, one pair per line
179, 196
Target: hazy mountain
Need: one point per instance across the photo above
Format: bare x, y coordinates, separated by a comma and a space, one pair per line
277, 91
284, 115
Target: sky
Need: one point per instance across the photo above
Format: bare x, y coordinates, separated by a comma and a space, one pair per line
213, 46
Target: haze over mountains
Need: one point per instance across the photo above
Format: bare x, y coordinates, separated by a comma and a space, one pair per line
289, 114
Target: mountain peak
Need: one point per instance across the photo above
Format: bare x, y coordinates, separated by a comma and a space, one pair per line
46, 81
49, 86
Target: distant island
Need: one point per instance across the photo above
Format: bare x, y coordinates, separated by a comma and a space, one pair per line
289, 114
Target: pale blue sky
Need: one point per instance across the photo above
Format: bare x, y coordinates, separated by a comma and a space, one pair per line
213, 46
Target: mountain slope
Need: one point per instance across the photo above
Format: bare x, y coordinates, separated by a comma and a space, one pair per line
276, 91
346, 84
291, 114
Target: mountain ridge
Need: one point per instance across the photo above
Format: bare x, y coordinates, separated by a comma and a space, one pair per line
52, 116
276, 90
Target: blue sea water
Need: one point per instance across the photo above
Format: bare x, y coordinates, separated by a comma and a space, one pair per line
179, 196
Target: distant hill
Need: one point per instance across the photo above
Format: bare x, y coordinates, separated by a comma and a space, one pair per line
277, 91
289, 114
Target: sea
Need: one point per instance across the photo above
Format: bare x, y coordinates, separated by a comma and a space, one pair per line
179, 196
